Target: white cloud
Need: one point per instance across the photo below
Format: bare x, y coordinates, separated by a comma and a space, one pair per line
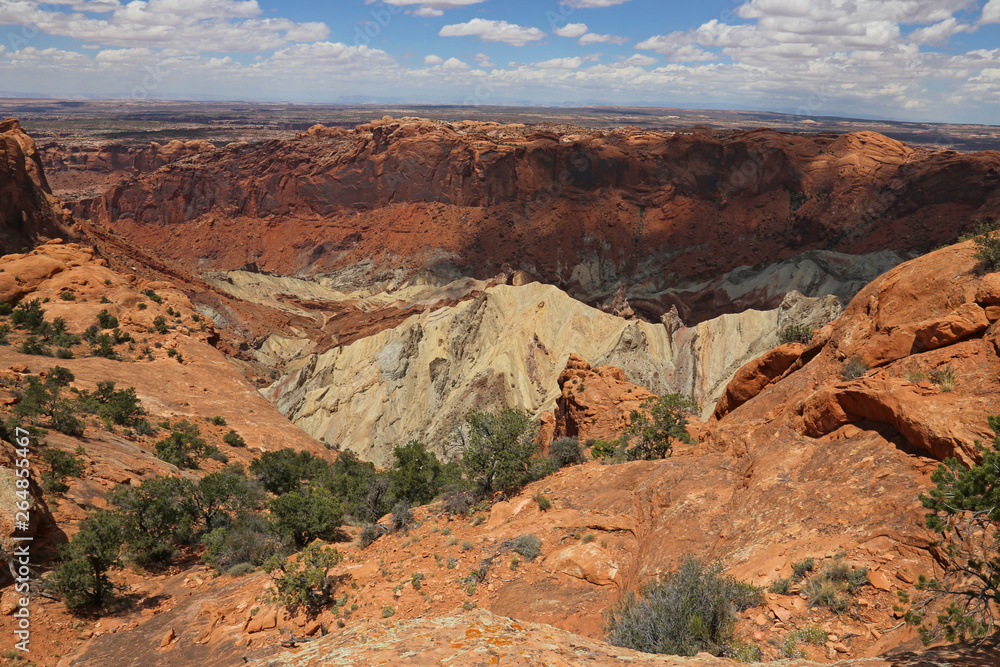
188, 26
331, 54
454, 63
991, 12
638, 60
433, 60
559, 63
427, 12
433, 4
573, 30
939, 33
593, 38
493, 31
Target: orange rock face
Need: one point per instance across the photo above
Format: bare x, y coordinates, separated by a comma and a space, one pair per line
595, 403
27, 209
584, 210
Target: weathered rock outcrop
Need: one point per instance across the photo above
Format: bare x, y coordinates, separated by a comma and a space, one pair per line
27, 209
128, 159
507, 347
661, 212
932, 318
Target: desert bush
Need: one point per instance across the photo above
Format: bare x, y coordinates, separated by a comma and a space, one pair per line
402, 517
654, 428
32, 345
528, 546
305, 580
240, 570
106, 320
29, 315
155, 519
795, 333
499, 449
458, 500
249, 539
234, 439
217, 420
543, 502
688, 611
350, 479
285, 470
832, 586
944, 378
184, 446
415, 475
82, 575
67, 296
370, 533
565, 452
987, 246
813, 635
115, 406
307, 514
965, 509
61, 465
854, 367
218, 497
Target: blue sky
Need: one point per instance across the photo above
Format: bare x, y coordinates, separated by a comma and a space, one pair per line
933, 60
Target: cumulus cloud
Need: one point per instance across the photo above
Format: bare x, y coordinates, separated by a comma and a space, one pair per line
493, 31
433, 60
593, 38
559, 63
186, 26
991, 12
572, 30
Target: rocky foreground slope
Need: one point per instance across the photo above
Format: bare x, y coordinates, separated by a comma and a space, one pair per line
797, 463
670, 215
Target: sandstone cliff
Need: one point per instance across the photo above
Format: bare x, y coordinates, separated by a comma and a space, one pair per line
664, 213
506, 347
27, 209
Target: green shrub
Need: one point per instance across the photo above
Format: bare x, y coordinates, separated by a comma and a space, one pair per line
689, 611
160, 324
155, 518
370, 533
153, 296
240, 570
233, 439
543, 502
853, 368
67, 296
32, 345
987, 246
306, 580
249, 539
813, 635
416, 474
387, 612
184, 446
61, 465
29, 315
944, 378
285, 470
82, 576
795, 333
307, 514
106, 320
217, 420
499, 450
565, 451
528, 546
656, 426
833, 585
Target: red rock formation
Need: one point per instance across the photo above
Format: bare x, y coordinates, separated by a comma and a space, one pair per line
27, 209
584, 210
933, 314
